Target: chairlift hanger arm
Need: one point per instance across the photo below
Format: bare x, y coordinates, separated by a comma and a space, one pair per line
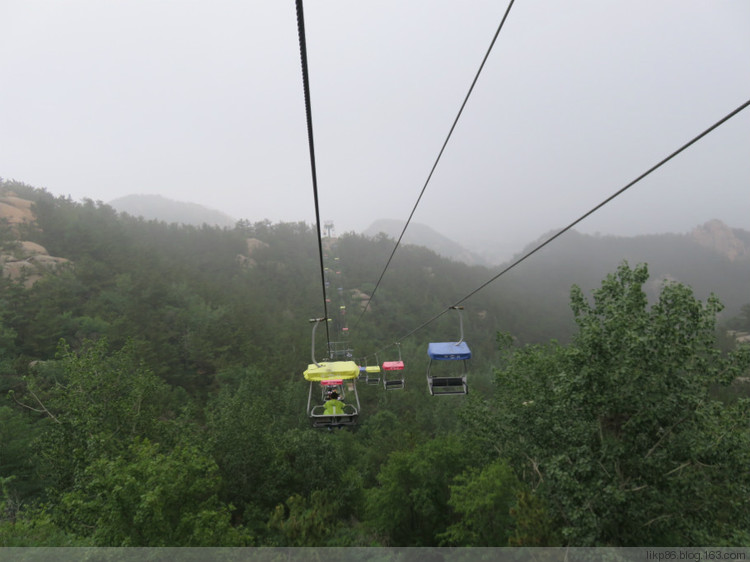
315, 326
460, 321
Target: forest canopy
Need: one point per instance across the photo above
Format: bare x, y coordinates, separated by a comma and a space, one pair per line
152, 396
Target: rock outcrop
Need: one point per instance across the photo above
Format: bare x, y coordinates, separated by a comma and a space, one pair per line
252, 245
23, 261
15, 210
717, 236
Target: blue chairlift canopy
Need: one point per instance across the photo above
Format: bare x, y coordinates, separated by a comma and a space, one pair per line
447, 351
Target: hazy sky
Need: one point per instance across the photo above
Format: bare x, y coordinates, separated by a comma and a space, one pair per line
202, 101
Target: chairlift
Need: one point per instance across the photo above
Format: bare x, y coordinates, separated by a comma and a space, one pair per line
338, 349
393, 373
362, 363
371, 373
443, 375
331, 375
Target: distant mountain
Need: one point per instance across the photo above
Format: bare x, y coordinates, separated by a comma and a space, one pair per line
422, 235
493, 250
156, 207
713, 258
531, 301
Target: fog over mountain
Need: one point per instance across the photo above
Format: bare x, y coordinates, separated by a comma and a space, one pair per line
423, 235
206, 104
156, 207
713, 236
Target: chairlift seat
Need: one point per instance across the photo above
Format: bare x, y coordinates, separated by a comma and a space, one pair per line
448, 351
396, 379
317, 414
321, 419
447, 385
372, 374
331, 375
393, 384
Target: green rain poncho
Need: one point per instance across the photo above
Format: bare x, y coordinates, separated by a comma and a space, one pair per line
333, 407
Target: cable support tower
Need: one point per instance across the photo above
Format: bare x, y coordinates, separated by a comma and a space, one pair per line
434, 166
578, 220
308, 113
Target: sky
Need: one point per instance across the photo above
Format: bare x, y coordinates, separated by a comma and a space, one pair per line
202, 101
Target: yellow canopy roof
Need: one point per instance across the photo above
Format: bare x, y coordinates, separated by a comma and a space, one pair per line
334, 370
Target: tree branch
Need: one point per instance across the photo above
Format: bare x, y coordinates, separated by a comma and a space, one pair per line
655, 519
535, 466
44, 409
683, 465
668, 432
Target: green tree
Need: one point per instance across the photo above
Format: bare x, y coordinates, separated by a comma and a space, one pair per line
29, 526
325, 518
95, 401
147, 497
742, 320
410, 507
18, 431
483, 501
7, 333
618, 431
242, 439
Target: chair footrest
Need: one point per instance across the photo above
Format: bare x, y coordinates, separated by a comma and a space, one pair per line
333, 421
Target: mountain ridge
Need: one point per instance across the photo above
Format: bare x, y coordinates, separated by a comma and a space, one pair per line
426, 236
158, 207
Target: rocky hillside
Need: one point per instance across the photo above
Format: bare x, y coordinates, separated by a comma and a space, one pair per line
730, 242
21, 260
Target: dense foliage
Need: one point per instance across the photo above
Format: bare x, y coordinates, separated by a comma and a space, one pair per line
155, 398
619, 431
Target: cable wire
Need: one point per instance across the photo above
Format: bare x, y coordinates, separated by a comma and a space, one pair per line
308, 113
581, 218
434, 166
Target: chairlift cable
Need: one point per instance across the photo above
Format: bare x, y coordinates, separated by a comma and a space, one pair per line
437, 160
582, 217
610, 198
308, 113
